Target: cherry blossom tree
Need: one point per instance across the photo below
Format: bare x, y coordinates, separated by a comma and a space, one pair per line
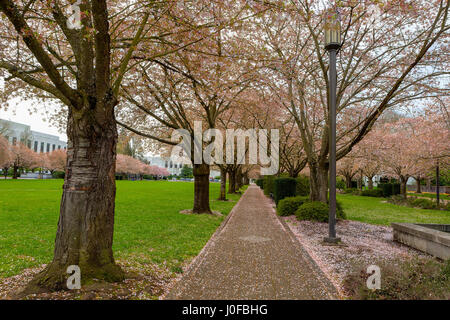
5, 155
57, 160
80, 61
389, 56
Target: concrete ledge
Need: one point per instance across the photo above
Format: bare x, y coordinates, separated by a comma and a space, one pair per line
426, 238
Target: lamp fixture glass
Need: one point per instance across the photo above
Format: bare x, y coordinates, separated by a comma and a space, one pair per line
332, 32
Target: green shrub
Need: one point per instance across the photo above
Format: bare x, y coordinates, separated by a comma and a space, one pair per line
268, 185
372, 193
340, 214
58, 174
387, 189
317, 211
288, 206
422, 203
350, 190
395, 188
302, 185
340, 183
283, 187
260, 182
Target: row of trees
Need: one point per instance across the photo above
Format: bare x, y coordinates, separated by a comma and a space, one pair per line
155, 67
401, 148
129, 165
19, 157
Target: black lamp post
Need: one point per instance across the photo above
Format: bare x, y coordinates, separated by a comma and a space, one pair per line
332, 44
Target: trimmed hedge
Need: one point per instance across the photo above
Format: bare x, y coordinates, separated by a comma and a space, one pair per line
395, 188
302, 186
58, 174
317, 211
372, 193
386, 188
268, 185
260, 182
284, 187
288, 206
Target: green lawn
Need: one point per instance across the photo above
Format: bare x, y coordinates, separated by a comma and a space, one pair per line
148, 227
430, 195
378, 211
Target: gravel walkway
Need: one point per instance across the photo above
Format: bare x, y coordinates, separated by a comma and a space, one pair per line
253, 255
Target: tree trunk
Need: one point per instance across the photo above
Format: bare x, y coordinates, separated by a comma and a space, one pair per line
403, 181
86, 222
246, 180
238, 178
418, 190
348, 181
370, 182
318, 175
223, 185
201, 188
232, 183
15, 169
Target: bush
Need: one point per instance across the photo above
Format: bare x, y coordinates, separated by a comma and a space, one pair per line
260, 182
302, 186
317, 211
395, 188
422, 203
58, 174
340, 184
350, 190
387, 189
268, 185
283, 187
372, 193
415, 279
288, 206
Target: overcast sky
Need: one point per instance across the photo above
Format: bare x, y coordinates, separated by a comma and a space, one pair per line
19, 112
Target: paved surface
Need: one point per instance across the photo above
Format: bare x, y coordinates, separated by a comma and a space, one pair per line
253, 255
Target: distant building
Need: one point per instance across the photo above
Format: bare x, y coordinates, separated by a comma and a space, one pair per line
174, 166
37, 141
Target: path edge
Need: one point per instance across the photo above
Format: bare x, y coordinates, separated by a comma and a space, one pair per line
332, 290
195, 263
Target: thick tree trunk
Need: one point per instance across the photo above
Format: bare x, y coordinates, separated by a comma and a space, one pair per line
246, 180
418, 188
86, 222
370, 182
201, 189
318, 175
403, 181
232, 183
223, 185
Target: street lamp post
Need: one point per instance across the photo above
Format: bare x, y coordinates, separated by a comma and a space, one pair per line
332, 44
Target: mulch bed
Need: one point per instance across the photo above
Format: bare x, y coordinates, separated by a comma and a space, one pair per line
363, 245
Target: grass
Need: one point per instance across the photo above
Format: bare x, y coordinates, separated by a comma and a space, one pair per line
378, 211
430, 195
148, 225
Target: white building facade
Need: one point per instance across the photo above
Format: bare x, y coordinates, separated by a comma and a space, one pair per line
174, 166
37, 141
